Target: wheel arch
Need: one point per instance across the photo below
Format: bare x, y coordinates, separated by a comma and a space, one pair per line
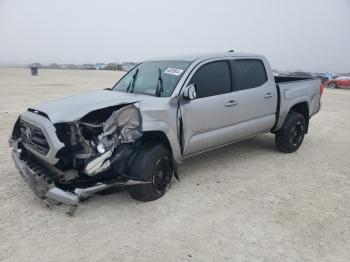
158, 136
161, 137
302, 108
166, 133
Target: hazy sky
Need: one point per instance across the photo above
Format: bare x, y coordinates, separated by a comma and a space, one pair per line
294, 34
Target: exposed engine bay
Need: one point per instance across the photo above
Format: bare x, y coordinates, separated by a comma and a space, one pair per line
98, 140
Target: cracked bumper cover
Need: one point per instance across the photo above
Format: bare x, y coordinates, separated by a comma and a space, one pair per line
47, 190
40, 186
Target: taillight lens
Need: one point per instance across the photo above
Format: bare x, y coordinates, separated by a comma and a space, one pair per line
321, 89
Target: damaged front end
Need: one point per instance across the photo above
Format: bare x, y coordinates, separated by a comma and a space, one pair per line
97, 141
90, 155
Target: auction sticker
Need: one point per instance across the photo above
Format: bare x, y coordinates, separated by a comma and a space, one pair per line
173, 71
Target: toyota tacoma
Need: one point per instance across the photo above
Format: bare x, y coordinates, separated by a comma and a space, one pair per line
162, 111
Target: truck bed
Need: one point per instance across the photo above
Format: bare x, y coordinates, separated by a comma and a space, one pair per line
293, 90
287, 79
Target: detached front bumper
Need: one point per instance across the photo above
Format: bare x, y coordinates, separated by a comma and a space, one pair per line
40, 186
48, 190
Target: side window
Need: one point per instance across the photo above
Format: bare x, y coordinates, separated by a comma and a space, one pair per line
212, 79
247, 73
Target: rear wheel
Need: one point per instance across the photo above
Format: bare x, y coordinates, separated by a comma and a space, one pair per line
290, 137
155, 164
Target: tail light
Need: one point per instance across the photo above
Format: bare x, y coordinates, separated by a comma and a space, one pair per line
321, 89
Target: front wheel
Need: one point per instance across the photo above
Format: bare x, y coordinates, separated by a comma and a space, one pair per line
155, 164
333, 85
290, 137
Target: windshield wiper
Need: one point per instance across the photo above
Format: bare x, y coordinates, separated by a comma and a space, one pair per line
132, 82
159, 89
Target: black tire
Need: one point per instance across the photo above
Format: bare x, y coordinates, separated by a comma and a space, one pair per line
155, 164
333, 85
290, 137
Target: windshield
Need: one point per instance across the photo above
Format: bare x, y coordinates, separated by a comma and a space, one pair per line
153, 78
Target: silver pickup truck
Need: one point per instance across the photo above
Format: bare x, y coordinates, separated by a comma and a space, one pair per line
162, 111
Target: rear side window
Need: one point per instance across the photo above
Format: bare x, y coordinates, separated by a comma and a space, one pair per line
212, 79
247, 73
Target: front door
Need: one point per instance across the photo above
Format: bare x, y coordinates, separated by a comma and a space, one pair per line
205, 118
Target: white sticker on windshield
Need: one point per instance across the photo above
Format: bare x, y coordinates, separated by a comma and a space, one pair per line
173, 71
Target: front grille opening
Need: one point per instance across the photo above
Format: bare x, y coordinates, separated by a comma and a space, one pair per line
34, 137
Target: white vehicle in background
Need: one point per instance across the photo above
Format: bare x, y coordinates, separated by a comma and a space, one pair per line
99, 66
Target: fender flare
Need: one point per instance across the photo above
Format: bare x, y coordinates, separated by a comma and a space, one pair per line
284, 113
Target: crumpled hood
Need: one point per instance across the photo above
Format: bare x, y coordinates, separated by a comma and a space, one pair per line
72, 108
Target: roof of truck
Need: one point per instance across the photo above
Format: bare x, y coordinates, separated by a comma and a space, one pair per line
193, 57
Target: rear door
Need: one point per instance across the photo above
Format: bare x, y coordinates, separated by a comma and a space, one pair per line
256, 93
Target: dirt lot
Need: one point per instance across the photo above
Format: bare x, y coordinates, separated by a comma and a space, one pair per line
245, 202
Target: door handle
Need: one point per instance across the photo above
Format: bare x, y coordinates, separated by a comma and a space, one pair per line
231, 103
268, 95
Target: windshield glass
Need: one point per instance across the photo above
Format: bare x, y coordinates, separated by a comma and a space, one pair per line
153, 78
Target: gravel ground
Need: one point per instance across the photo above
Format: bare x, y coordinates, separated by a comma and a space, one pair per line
244, 202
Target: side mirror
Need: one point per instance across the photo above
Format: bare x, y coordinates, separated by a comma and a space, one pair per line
190, 92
